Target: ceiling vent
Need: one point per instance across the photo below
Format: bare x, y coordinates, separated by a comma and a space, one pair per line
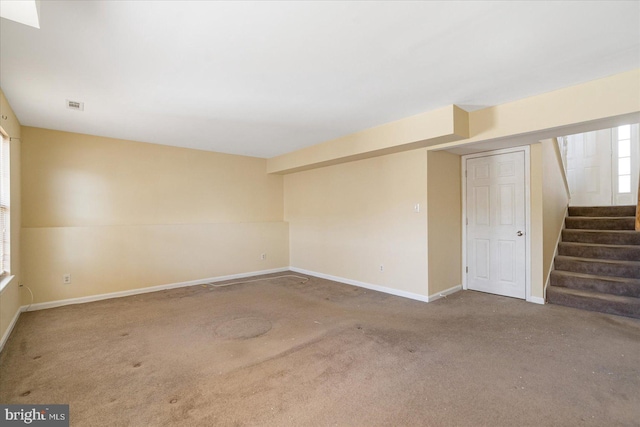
75, 105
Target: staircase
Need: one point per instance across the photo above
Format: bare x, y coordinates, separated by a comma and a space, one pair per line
598, 263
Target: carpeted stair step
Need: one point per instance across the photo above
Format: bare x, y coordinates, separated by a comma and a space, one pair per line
602, 210
592, 250
598, 263
600, 223
605, 237
594, 301
588, 282
600, 267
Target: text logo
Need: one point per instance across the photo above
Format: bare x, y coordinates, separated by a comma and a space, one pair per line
34, 415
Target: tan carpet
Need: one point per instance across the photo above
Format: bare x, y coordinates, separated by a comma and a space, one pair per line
283, 353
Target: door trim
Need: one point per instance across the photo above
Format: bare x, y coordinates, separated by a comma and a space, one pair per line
527, 212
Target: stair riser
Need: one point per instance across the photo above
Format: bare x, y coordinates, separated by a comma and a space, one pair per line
596, 285
598, 268
626, 254
585, 303
598, 278
600, 223
602, 211
605, 238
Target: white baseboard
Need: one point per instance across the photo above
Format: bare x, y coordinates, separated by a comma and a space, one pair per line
12, 324
444, 293
536, 300
91, 298
378, 288
555, 252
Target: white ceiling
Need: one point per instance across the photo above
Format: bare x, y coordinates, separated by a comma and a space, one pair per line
265, 78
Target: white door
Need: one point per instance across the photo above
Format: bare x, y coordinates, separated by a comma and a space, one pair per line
495, 204
589, 168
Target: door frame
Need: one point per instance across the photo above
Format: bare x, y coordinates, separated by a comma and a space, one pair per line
635, 161
527, 211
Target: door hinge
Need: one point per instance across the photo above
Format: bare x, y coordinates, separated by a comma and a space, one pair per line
465, 173
467, 221
467, 269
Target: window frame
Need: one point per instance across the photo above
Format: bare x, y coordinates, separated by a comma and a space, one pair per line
617, 140
5, 205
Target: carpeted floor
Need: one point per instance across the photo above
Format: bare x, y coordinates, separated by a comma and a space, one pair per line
283, 353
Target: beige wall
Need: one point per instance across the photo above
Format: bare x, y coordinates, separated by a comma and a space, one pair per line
555, 201
120, 215
592, 101
348, 219
444, 206
515, 123
537, 221
10, 298
80, 180
549, 200
543, 116
433, 127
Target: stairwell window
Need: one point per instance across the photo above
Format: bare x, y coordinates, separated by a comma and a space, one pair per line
624, 159
5, 223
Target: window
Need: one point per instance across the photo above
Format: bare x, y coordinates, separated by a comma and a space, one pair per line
5, 186
624, 159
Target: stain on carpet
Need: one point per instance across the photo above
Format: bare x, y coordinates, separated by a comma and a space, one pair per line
280, 353
243, 328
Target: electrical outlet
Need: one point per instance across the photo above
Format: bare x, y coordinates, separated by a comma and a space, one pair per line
381, 267
263, 257
416, 208
66, 279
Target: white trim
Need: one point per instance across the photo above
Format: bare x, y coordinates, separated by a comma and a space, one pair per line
555, 252
12, 324
444, 293
536, 300
559, 157
527, 194
81, 300
91, 298
4, 281
391, 291
527, 211
463, 168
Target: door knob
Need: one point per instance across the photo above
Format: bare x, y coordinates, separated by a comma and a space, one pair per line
520, 233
